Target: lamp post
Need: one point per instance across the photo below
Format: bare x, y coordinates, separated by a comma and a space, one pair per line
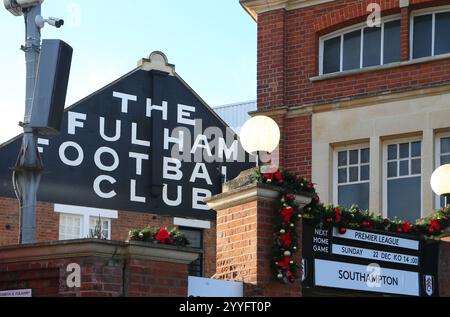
440, 182
28, 169
260, 134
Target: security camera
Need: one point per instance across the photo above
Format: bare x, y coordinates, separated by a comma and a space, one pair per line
16, 7
40, 22
55, 22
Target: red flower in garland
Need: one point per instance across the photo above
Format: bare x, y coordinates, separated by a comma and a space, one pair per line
271, 177
337, 214
435, 225
164, 237
286, 263
406, 227
287, 213
309, 187
289, 197
316, 199
286, 239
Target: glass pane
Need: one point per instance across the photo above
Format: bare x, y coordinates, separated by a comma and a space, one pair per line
342, 175
354, 157
365, 156
404, 168
416, 166
445, 159
332, 55
354, 174
404, 198
372, 47
404, 150
352, 50
342, 158
445, 145
416, 149
392, 42
392, 169
442, 33
422, 36
365, 173
392, 152
194, 237
358, 194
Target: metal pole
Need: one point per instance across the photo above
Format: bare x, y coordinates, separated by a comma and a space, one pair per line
28, 169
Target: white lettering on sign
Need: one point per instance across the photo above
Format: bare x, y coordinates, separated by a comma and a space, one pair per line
134, 136
126, 98
198, 197
114, 138
98, 181
174, 202
98, 159
184, 115
360, 277
75, 120
16, 293
200, 171
139, 159
378, 255
378, 239
133, 196
151, 107
172, 169
62, 154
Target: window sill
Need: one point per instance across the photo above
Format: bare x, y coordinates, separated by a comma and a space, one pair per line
379, 67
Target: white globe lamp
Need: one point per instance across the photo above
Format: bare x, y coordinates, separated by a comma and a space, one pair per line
440, 182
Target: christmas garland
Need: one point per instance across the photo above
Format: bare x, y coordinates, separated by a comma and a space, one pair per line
287, 215
160, 236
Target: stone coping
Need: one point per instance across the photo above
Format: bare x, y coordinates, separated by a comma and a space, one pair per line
132, 250
249, 193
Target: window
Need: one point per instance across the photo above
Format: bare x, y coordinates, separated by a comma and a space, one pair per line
352, 176
442, 158
360, 47
99, 226
81, 222
195, 237
403, 175
70, 227
430, 34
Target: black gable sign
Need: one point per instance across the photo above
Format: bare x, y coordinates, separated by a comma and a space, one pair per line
145, 143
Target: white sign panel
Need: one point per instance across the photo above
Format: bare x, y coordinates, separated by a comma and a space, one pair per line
376, 255
16, 293
378, 239
365, 278
204, 287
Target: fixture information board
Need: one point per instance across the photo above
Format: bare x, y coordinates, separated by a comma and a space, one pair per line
369, 261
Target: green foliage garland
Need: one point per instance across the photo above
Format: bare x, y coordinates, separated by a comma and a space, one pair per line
287, 214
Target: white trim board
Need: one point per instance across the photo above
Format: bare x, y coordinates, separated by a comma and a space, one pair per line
86, 211
192, 223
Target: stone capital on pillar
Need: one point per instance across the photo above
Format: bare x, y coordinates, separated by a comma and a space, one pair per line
245, 214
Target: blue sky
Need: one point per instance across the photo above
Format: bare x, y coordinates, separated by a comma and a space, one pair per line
212, 44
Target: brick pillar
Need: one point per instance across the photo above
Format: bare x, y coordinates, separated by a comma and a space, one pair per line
405, 34
244, 236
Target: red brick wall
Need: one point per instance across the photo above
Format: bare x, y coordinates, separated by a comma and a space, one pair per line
100, 277
288, 44
244, 246
48, 228
288, 57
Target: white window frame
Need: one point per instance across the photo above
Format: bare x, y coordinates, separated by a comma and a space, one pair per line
350, 29
87, 213
427, 11
437, 161
71, 215
336, 151
385, 170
